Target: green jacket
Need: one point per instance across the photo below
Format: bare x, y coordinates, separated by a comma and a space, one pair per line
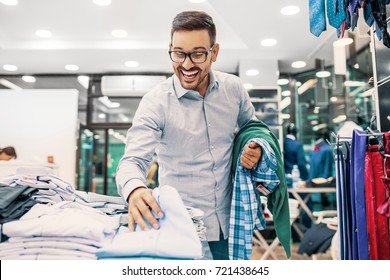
278, 199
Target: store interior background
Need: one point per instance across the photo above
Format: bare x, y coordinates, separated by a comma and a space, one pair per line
112, 70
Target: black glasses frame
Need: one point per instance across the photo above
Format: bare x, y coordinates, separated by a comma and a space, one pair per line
188, 54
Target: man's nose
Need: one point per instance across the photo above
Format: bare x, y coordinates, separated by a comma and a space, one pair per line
187, 63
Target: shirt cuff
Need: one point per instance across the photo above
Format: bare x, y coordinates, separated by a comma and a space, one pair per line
130, 186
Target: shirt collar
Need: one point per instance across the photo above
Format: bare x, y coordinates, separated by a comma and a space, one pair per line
180, 91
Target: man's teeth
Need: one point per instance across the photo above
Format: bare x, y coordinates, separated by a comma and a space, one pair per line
190, 73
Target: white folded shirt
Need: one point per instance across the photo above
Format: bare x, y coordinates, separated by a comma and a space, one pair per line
176, 237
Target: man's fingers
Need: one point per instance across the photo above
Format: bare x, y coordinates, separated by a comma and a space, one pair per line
253, 145
138, 218
141, 205
131, 222
154, 206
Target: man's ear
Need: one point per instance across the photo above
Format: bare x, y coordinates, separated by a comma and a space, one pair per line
214, 53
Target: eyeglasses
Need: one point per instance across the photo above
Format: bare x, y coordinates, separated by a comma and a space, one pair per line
196, 57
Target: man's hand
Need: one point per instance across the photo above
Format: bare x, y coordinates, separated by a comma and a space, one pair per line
141, 203
251, 155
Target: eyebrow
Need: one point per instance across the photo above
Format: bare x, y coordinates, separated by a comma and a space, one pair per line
194, 49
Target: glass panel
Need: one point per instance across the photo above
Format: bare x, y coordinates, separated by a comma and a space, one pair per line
98, 161
114, 109
85, 160
116, 146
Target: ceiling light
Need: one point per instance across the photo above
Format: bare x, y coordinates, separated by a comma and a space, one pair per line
268, 42
132, 63
307, 85
9, 85
42, 33
108, 103
102, 2
84, 81
320, 126
282, 82
71, 67
298, 84
248, 86
356, 66
368, 92
119, 33
286, 93
285, 103
343, 42
314, 122
102, 116
323, 74
333, 99
298, 64
9, 2
290, 10
10, 67
354, 84
252, 72
340, 119
29, 79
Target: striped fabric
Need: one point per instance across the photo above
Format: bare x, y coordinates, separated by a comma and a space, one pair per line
245, 213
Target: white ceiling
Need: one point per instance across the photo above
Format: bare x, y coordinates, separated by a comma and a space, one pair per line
82, 35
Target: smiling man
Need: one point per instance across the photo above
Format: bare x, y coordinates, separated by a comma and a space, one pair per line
189, 121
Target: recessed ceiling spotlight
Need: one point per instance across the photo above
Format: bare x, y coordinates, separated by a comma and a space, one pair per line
9, 2
282, 82
268, 42
286, 93
248, 86
42, 33
343, 42
84, 81
29, 79
298, 64
290, 10
252, 72
132, 63
102, 2
333, 99
10, 67
356, 66
298, 84
71, 67
119, 33
323, 74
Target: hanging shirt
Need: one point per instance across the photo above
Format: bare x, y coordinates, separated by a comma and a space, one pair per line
246, 213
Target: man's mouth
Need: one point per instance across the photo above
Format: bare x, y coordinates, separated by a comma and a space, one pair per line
189, 74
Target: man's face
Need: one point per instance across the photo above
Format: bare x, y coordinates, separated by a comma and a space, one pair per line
6, 157
193, 76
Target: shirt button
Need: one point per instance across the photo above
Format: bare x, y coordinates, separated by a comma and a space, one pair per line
209, 124
212, 147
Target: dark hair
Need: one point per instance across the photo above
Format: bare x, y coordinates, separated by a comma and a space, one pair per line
10, 151
291, 129
194, 20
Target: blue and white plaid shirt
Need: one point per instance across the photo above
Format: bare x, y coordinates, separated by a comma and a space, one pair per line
245, 213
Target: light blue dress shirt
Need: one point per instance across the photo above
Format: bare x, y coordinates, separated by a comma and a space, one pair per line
193, 139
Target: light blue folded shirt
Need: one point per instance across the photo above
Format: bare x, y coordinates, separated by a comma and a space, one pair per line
176, 238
